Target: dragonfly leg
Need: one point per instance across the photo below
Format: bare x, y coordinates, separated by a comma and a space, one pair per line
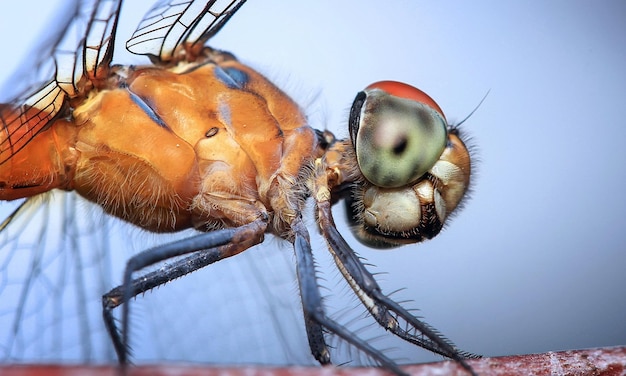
205, 249
314, 312
389, 314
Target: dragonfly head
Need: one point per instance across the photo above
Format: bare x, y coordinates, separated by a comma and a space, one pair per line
415, 167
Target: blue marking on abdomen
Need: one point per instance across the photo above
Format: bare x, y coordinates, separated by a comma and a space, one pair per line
232, 77
147, 109
224, 113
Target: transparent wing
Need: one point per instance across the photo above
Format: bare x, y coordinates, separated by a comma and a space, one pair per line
78, 54
51, 266
21, 122
60, 254
99, 42
172, 24
38, 97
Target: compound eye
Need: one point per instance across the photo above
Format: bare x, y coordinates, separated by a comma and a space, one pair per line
398, 132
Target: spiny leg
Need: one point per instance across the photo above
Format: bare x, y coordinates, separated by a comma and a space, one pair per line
147, 282
383, 309
314, 312
317, 344
207, 248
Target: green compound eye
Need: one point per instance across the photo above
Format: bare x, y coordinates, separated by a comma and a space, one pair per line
398, 132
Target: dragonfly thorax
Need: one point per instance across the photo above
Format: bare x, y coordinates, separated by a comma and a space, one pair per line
206, 145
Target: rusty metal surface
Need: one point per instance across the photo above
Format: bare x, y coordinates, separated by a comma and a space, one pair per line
602, 361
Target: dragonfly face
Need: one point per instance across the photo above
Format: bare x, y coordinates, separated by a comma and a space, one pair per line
416, 170
199, 140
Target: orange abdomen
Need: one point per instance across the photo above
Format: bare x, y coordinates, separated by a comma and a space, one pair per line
44, 163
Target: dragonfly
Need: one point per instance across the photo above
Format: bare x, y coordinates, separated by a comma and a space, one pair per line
198, 140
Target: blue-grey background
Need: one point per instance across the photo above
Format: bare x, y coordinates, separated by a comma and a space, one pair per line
536, 260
